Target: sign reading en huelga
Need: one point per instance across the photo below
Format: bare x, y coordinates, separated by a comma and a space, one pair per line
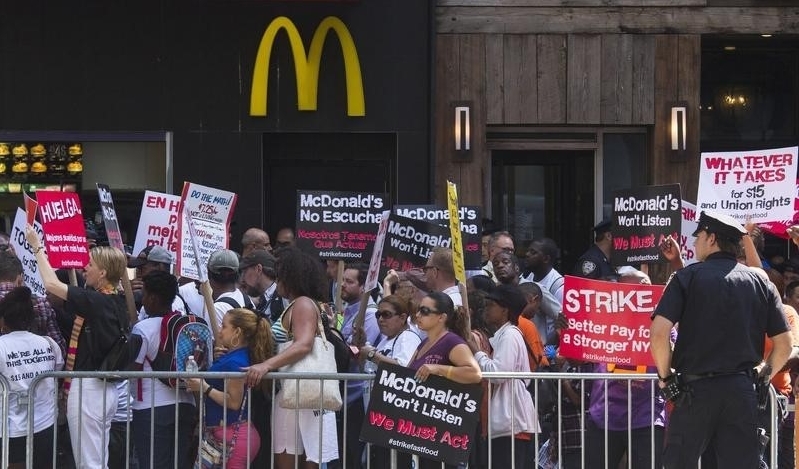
470, 226
434, 419
642, 218
339, 225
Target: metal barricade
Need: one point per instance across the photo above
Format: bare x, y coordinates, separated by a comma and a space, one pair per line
5, 390
649, 381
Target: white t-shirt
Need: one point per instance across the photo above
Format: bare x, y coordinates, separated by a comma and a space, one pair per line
455, 294
150, 332
24, 356
193, 299
401, 347
222, 308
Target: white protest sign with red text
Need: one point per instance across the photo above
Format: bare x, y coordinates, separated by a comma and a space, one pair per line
689, 224
608, 321
210, 211
749, 185
30, 269
64, 231
158, 223
377, 254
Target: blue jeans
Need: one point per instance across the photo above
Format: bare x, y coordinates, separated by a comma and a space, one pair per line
163, 435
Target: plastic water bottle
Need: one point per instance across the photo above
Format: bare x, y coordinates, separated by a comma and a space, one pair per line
191, 365
368, 367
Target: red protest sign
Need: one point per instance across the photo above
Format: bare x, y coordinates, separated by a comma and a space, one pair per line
30, 208
608, 321
64, 231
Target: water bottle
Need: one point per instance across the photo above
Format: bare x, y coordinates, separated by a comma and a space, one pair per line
368, 367
191, 365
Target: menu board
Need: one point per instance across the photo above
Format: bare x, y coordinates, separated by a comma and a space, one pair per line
24, 164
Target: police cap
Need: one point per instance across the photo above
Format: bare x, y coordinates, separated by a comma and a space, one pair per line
603, 227
723, 226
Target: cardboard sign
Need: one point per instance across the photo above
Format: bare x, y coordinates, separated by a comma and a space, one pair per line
210, 211
64, 231
435, 419
689, 224
642, 217
30, 269
339, 225
110, 217
377, 254
471, 226
455, 232
158, 223
608, 321
410, 242
749, 185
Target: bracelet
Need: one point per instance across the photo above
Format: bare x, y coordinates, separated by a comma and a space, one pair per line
208, 390
449, 371
38, 250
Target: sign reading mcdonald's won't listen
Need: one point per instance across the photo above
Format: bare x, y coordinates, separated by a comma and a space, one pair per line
307, 65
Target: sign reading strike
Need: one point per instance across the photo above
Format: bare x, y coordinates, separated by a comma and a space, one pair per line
30, 269
64, 231
754, 185
642, 218
209, 210
158, 222
110, 217
435, 419
339, 225
608, 321
689, 224
471, 229
410, 242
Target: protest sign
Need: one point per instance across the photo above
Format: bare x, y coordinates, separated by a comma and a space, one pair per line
749, 185
30, 207
642, 218
689, 224
779, 227
158, 222
377, 254
30, 269
455, 232
410, 242
209, 211
608, 321
471, 226
435, 419
110, 217
338, 225
64, 232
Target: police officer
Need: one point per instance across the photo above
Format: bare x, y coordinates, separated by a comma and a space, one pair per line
724, 310
595, 262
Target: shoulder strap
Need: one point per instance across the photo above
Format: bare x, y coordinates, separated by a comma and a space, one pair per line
185, 305
536, 358
228, 301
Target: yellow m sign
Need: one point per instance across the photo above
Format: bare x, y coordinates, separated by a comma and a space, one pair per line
307, 66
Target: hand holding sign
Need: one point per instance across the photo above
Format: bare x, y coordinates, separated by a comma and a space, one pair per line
793, 232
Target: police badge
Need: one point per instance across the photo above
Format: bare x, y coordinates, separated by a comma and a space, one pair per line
588, 267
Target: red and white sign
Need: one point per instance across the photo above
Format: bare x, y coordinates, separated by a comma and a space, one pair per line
158, 223
64, 232
377, 253
608, 321
30, 269
689, 224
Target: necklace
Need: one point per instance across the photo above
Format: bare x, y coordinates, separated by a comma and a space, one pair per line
430, 344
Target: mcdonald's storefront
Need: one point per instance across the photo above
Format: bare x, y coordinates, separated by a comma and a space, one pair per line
259, 98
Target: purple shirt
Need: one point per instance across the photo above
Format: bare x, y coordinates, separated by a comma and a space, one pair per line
438, 353
641, 393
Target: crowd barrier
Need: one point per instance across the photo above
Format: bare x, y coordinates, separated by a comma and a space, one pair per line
649, 379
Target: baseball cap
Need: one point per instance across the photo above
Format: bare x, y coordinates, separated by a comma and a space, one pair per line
508, 296
152, 253
258, 256
723, 226
223, 259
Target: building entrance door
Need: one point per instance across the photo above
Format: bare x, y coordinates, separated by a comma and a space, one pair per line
544, 193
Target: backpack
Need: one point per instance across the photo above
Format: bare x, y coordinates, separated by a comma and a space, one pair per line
124, 347
182, 336
341, 350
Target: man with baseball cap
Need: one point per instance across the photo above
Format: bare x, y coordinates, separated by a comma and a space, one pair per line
724, 309
223, 277
150, 259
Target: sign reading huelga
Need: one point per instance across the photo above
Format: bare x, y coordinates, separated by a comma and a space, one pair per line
339, 225
434, 419
470, 226
642, 218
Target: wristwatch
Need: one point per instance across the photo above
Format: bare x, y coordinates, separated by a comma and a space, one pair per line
371, 355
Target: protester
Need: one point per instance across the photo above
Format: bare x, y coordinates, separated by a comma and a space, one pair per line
16, 309
247, 338
480, 337
92, 402
540, 258
440, 275
512, 419
284, 238
254, 239
302, 281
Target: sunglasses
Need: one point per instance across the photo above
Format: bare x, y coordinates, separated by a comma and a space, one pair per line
425, 311
385, 314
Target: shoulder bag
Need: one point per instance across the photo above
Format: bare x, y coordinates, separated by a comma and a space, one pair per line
213, 452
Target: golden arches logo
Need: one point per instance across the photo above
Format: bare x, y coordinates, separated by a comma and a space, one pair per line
307, 66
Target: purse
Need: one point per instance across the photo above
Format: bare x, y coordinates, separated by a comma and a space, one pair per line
213, 453
306, 393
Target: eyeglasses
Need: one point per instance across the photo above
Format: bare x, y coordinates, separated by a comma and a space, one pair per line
385, 314
428, 267
425, 311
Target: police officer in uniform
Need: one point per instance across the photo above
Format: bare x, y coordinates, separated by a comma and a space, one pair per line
595, 262
724, 310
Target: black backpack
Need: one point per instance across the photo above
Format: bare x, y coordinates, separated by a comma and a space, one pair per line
341, 350
125, 346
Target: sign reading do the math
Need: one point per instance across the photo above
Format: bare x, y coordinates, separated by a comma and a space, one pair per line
642, 218
749, 185
64, 232
608, 321
434, 419
339, 225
